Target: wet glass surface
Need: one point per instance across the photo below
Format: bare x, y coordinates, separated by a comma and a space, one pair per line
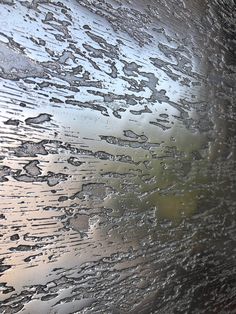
117, 157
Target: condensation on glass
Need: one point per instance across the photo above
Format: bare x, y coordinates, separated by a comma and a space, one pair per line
117, 157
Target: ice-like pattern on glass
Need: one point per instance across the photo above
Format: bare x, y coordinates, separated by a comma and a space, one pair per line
117, 156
